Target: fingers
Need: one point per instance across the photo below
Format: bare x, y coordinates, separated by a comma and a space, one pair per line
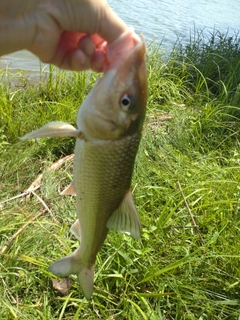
98, 61
77, 51
57, 41
86, 45
76, 60
94, 48
72, 34
90, 17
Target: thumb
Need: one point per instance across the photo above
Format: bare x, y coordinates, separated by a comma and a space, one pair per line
111, 26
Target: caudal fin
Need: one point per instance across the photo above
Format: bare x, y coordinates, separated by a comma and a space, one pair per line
69, 265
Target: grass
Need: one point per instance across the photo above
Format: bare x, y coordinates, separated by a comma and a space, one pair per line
187, 167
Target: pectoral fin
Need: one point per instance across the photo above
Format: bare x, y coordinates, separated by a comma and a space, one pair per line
54, 129
69, 191
125, 218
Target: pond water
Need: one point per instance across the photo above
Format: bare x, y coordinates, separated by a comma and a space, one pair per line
161, 21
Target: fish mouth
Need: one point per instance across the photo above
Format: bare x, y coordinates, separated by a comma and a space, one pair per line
127, 47
126, 56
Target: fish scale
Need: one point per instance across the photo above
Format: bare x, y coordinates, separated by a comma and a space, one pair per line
102, 175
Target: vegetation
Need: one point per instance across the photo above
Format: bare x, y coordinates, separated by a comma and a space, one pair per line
187, 191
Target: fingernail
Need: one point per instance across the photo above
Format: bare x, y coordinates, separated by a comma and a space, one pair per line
98, 61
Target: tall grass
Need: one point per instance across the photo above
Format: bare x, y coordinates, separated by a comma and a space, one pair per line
212, 62
187, 191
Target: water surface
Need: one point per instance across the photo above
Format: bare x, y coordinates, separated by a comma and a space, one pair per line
161, 21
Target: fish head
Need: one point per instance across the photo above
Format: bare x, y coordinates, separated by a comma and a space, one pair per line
116, 106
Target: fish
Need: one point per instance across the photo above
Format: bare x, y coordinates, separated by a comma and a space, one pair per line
108, 133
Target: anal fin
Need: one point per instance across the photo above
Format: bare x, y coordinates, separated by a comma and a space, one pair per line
125, 218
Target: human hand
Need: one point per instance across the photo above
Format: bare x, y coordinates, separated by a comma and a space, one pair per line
70, 34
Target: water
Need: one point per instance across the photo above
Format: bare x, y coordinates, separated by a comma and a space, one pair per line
161, 21
167, 20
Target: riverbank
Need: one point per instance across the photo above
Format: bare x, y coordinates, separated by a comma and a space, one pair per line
187, 192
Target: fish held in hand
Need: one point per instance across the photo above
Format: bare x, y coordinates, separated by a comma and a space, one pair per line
108, 133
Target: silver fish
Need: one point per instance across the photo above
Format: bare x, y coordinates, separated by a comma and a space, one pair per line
109, 131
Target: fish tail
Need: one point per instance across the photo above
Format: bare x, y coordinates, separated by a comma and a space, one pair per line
70, 265
85, 278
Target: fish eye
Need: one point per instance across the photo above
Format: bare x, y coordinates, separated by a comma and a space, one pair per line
127, 103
